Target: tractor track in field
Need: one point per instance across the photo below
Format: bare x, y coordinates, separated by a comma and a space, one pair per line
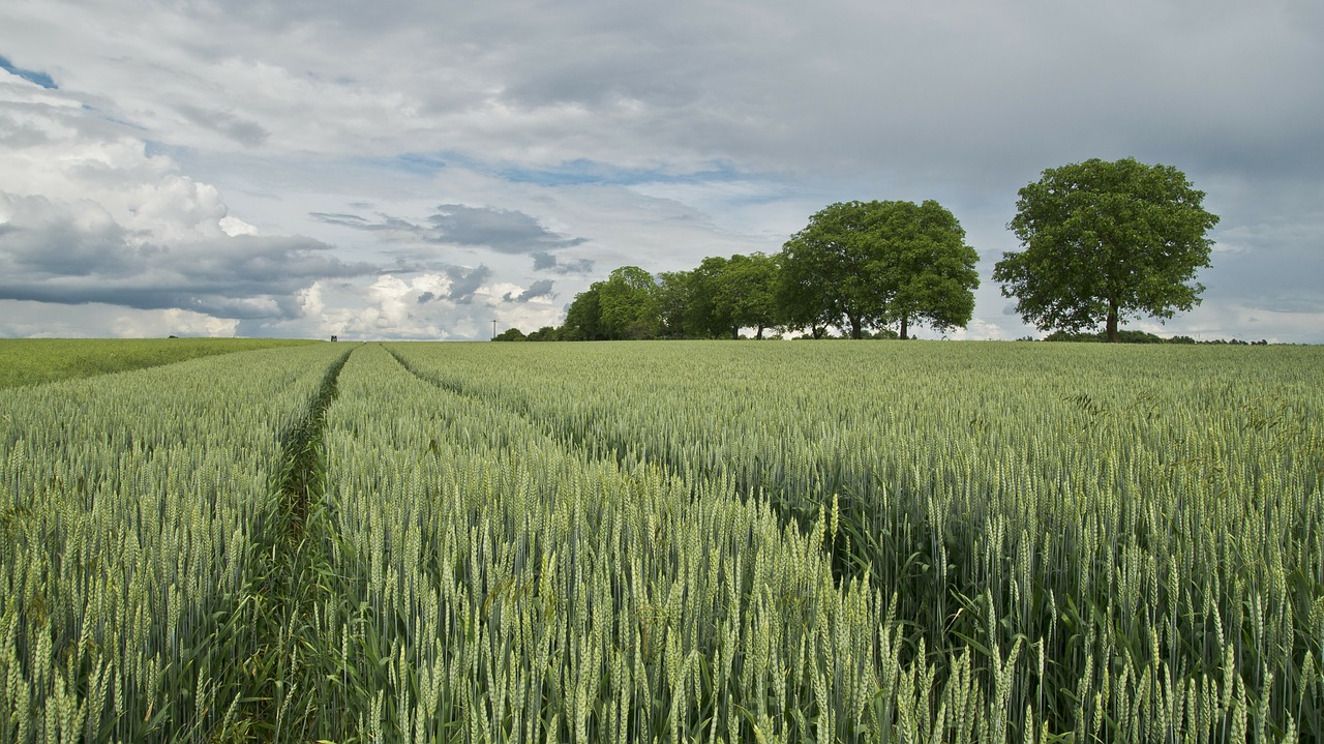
588, 448
287, 588
845, 566
302, 476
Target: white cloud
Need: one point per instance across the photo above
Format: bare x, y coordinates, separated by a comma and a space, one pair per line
41, 319
90, 215
234, 227
1246, 322
978, 329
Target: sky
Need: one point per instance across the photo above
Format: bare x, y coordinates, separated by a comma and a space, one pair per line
420, 169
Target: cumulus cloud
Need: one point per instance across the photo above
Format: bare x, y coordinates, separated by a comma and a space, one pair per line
39, 319
89, 215
76, 254
424, 305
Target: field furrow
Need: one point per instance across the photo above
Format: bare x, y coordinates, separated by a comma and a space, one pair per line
510, 588
133, 508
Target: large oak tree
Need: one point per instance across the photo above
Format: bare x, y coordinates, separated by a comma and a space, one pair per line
861, 265
1103, 241
627, 304
929, 269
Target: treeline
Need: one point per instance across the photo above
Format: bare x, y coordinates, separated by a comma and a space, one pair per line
864, 267
1101, 242
1144, 337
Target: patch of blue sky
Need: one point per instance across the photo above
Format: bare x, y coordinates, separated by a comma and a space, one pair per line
583, 172
424, 164
32, 76
579, 172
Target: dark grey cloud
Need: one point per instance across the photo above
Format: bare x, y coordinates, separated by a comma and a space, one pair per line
544, 261
240, 130
502, 230
56, 253
465, 282
539, 288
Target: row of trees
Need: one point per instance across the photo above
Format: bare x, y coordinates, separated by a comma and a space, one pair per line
861, 266
1101, 242
714, 300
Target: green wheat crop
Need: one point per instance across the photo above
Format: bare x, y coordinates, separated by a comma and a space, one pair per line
130, 509
669, 542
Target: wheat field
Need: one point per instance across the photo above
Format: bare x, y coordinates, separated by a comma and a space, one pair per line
670, 542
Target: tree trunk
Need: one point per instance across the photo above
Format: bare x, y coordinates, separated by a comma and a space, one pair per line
817, 331
759, 335
1113, 336
735, 332
855, 330
905, 325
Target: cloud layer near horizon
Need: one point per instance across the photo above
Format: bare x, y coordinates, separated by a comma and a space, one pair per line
302, 168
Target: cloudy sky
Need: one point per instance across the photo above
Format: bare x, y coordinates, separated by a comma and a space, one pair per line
418, 169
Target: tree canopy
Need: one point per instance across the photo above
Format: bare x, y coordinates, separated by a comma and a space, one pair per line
627, 304
719, 297
862, 265
827, 272
583, 320
1104, 241
624, 306
929, 268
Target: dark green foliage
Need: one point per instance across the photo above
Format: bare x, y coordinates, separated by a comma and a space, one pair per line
627, 304
827, 273
583, 320
859, 266
510, 334
546, 333
1104, 241
676, 295
747, 292
1142, 337
707, 312
862, 265
719, 297
1126, 337
931, 267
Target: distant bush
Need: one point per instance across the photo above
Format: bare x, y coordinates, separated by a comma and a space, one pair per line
1126, 337
1143, 337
